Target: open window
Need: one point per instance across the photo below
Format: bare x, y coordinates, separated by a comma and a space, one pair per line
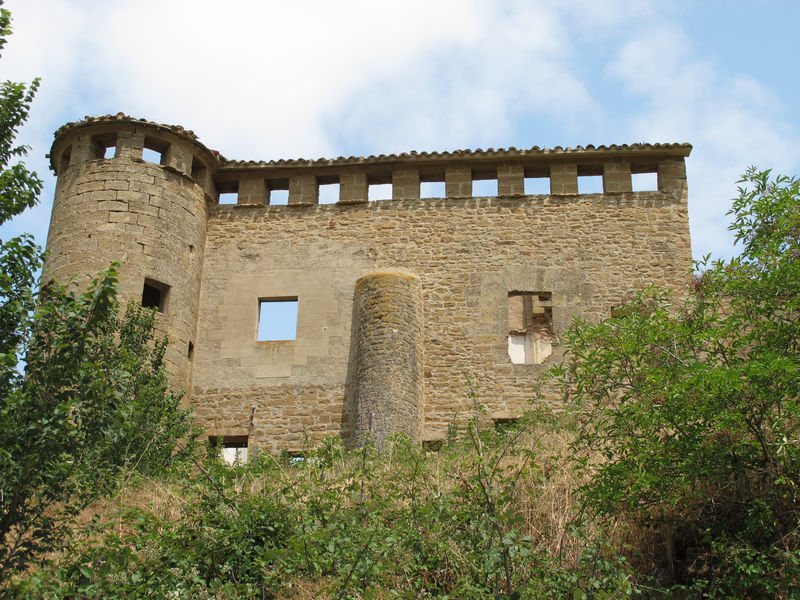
233, 448
277, 319
530, 327
155, 295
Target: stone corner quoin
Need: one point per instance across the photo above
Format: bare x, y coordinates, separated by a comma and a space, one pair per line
410, 274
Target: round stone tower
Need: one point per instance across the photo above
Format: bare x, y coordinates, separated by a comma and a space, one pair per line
389, 356
135, 192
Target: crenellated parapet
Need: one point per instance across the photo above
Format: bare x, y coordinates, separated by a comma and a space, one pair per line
254, 181
119, 136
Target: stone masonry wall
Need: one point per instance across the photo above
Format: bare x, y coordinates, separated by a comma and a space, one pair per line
150, 218
387, 386
400, 302
589, 251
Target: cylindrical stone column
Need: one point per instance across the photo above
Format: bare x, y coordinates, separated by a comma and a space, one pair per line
389, 356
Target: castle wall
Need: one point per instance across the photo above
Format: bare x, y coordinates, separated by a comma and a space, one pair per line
408, 309
589, 251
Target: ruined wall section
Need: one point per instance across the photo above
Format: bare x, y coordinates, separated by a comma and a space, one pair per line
111, 205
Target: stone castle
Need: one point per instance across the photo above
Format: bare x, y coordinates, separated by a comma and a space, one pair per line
398, 301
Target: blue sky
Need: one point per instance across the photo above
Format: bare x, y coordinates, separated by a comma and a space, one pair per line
264, 80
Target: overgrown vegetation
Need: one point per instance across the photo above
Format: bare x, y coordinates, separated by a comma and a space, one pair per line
689, 415
92, 404
672, 471
482, 518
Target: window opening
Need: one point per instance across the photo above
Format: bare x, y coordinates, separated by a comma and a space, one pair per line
432, 189
432, 445
530, 327
537, 186
233, 448
484, 187
328, 193
228, 197
190, 352
154, 295
154, 150
65, 158
379, 191
277, 319
198, 171
278, 197
590, 184
150, 155
644, 182
104, 145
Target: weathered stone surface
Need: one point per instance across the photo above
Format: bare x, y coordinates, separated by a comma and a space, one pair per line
456, 307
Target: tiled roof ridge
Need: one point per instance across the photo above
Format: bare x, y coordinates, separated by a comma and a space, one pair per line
87, 120
463, 154
413, 154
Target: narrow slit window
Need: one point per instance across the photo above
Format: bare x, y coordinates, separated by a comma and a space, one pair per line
432, 189
328, 193
379, 191
65, 158
277, 319
482, 188
530, 327
644, 182
154, 295
232, 448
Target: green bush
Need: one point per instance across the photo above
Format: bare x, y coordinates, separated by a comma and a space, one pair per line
694, 410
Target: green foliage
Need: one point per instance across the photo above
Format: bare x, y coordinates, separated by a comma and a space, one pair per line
338, 524
695, 410
19, 187
92, 403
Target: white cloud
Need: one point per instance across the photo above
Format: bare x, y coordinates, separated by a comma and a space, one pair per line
732, 121
270, 79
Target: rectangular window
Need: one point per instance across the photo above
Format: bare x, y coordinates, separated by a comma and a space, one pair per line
233, 448
644, 182
154, 295
198, 170
530, 327
379, 191
482, 188
432, 189
328, 193
104, 145
154, 150
590, 184
537, 181
277, 319
278, 197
